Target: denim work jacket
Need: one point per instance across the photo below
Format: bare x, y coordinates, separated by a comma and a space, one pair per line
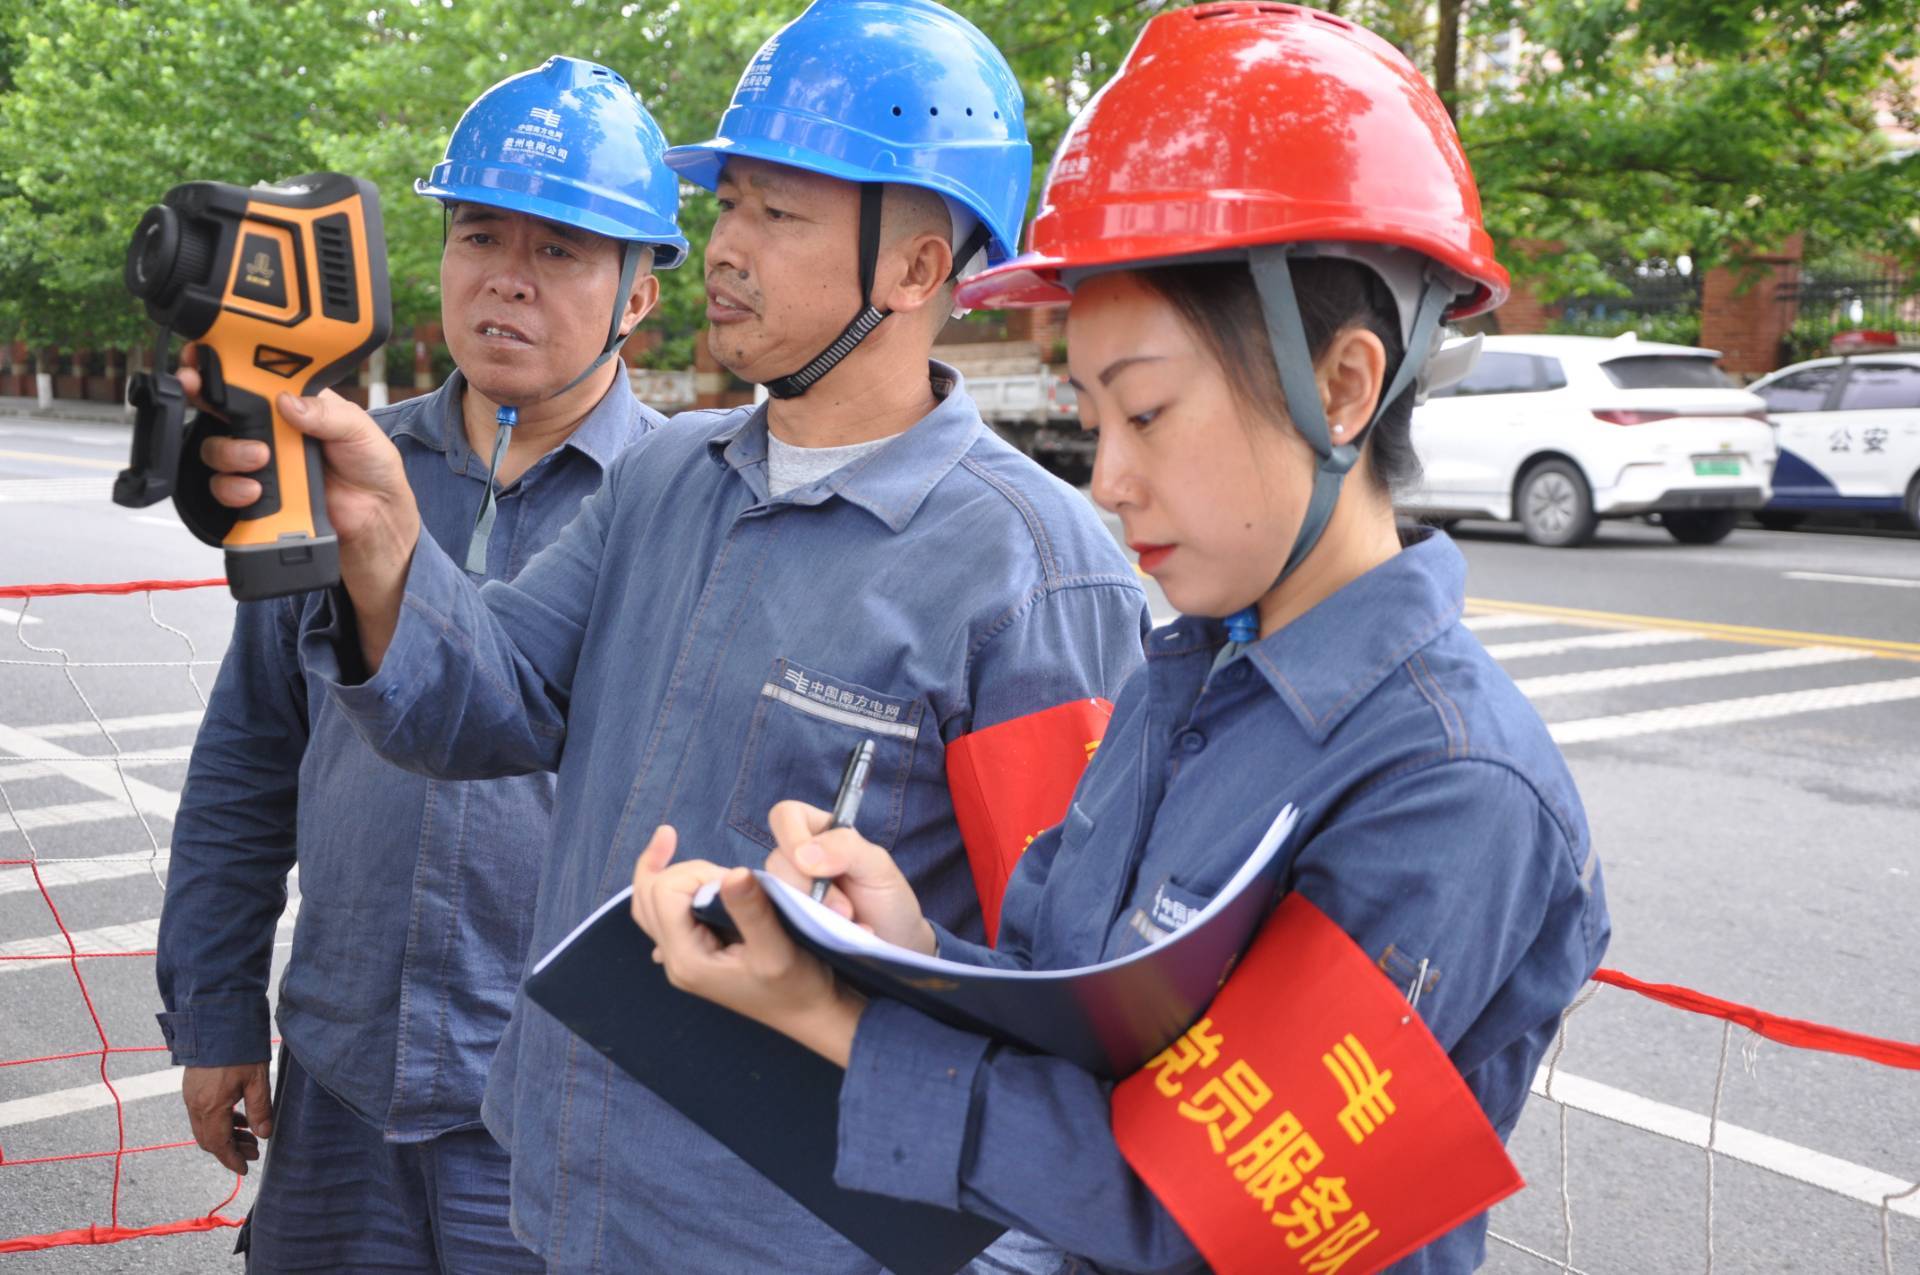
692, 651
413, 913
1438, 824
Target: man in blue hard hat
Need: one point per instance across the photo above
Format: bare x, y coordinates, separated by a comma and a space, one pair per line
415, 892
750, 594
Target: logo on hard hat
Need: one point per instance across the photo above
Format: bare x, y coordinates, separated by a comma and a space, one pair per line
758, 77
1071, 168
545, 127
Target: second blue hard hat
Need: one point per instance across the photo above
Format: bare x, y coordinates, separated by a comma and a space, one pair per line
903, 91
567, 142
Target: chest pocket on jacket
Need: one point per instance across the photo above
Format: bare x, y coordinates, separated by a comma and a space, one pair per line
806, 724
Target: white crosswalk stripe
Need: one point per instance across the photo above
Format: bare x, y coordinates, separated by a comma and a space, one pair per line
1752, 708
105, 940
53, 769
100, 776
66, 1102
1865, 670
46, 491
1685, 670
56, 873
34, 818
115, 725
1620, 640
1497, 620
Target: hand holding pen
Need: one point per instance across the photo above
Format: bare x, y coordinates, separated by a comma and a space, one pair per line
846, 805
846, 808
816, 850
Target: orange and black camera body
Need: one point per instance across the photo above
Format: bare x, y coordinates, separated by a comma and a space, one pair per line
284, 288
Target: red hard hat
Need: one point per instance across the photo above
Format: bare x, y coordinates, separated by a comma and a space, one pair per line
1234, 125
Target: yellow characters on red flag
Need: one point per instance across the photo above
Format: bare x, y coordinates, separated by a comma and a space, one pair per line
1014, 780
1310, 1123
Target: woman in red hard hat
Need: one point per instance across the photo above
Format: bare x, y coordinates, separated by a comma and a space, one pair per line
1260, 224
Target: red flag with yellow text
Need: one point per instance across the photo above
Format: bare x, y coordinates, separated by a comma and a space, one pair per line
1310, 1123
1012, 781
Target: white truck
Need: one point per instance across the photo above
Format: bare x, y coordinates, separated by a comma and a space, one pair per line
1026, 402
664, 390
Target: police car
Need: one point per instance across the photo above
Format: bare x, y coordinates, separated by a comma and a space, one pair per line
1849, 432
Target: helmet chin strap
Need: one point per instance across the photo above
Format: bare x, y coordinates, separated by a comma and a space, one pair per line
794, 384
872, 202
1287, 337
506, 418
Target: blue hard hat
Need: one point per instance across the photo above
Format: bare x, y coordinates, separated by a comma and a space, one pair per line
570, 143
900, 91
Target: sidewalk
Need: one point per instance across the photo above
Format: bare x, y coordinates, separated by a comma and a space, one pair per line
64, 409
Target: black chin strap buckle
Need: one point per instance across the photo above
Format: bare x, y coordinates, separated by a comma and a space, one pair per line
969, 249
852, 335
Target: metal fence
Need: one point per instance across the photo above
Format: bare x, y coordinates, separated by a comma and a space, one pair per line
1818, 308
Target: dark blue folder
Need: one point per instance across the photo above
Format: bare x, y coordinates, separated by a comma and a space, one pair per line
776, 1104
771, 1102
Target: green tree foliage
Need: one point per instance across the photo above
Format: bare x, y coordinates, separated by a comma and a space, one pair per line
1604, 129
1711, 128
416, 67
109, 105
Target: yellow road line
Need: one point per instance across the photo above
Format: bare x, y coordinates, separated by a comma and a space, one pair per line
1882, 647
81, 461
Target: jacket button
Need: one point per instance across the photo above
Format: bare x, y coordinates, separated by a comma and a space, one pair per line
1192, 741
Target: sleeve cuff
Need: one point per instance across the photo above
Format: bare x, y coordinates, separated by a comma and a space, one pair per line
219, 1034
905, 1105
949, 946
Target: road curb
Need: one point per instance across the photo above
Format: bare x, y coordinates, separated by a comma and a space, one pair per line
72, 413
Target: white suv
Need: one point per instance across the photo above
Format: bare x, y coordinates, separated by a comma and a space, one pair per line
1558, 432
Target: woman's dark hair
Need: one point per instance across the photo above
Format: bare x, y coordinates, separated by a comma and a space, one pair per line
1218, 302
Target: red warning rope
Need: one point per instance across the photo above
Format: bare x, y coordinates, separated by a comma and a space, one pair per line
1788, 1031
210, 1221
128, 586
113, 1232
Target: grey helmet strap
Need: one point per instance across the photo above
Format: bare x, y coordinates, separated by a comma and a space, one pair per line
508, 417
794, 384
1287, 337
629, 267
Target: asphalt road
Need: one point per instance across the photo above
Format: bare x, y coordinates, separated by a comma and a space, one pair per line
1743, 720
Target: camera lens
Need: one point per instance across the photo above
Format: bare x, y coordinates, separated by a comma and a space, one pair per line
151, 255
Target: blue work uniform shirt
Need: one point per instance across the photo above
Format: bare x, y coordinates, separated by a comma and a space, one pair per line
1439, 828
692, 651
413, 917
